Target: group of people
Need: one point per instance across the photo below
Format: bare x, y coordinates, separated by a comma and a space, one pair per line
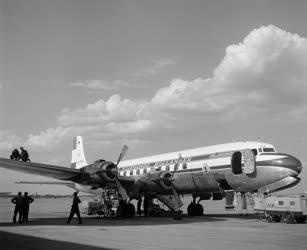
22, 205
23, 155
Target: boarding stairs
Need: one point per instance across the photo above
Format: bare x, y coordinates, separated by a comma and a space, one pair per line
171, 201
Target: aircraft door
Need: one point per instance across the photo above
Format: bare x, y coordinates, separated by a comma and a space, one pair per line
249, 161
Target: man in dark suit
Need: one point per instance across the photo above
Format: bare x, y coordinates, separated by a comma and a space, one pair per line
75, 209
18, 201
27, 200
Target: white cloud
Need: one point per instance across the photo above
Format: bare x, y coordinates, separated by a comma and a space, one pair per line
101, 84
8, 140
264, 73
157, 67
267, 70
48, 138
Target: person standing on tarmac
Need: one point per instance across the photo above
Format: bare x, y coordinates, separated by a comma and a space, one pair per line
18, 201
27, 200
75, 209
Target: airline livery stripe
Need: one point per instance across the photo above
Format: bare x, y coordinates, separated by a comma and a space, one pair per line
173, 161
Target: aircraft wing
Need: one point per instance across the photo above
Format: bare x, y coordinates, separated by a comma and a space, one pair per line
52, 171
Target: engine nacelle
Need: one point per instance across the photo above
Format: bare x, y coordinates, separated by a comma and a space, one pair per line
159, 181
102, 171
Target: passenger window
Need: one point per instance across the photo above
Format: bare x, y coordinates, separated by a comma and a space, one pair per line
144, 170
260, 150
292, 203
158, 168
280, 203
125, 173
137, 171
131, 172
184, 166
167, 168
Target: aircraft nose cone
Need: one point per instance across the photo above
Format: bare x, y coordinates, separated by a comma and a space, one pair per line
290, 162
299, 166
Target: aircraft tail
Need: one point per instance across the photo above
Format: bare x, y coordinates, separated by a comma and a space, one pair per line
77, 155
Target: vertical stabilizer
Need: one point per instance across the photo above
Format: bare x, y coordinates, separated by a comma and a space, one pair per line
77, 154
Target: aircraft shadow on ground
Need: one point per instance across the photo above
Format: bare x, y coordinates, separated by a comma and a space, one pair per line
136, 221
14, 241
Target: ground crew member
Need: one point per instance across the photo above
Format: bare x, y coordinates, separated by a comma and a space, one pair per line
15, 155
24, 154
18, 201
145, 204
75, 209
27, 200
139, 205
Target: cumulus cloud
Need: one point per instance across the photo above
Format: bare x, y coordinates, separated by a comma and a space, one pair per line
47, 139
101, 84
157, 67
8, 140
266, 72
268, 69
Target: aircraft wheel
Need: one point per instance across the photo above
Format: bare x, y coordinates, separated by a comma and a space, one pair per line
288, 218
199, 209
269, 218
178, 215
301, 219
130, 210
191, 209
121, 210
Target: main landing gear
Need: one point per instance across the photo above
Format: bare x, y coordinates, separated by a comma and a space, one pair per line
125, 209
195, 208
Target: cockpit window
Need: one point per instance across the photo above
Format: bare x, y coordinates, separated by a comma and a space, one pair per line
267, 150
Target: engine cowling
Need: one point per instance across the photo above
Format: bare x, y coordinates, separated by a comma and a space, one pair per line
107, 171
102, 172
166, 180
159, 181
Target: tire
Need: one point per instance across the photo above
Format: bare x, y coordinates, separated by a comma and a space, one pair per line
121, 210
130, 210
301, 219
178, 216
191, 209
199, 210
276, 218
288, 218
269, 218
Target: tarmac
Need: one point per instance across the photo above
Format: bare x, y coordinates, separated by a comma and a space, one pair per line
217, 229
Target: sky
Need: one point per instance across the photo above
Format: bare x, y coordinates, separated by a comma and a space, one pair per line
159, 76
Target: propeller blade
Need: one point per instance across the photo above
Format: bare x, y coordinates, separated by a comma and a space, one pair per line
122, 154
178, 201
122, 191
179, 161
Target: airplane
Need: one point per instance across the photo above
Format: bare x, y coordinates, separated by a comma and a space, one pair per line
205, 173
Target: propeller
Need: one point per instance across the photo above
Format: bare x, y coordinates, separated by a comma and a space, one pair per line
179, 161
122, 154
174, 191
122, 191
